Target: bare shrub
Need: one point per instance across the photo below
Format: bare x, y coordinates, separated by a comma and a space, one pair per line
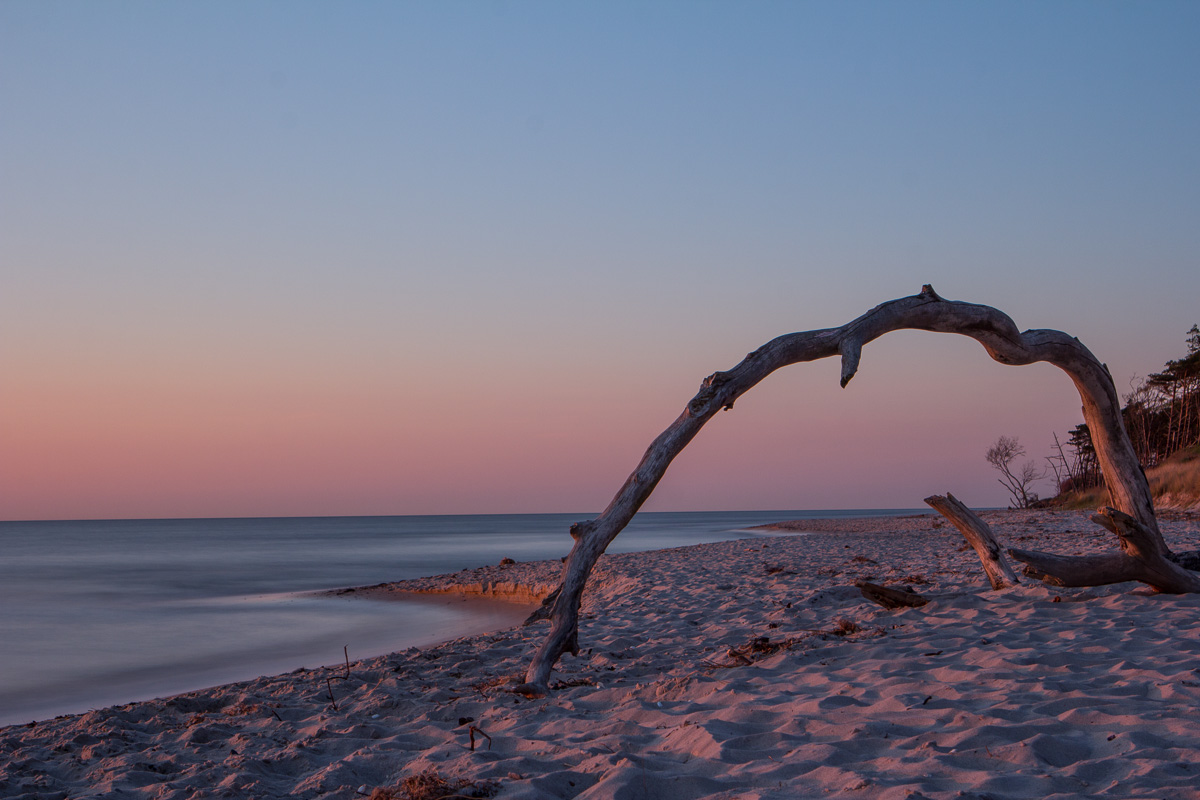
1019, 484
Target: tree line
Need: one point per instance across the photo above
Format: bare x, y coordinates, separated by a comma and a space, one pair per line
1161, 414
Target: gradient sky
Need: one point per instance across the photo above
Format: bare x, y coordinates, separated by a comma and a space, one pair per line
293, 258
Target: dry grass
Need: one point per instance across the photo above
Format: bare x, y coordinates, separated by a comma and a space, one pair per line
1084, 500
1174, 484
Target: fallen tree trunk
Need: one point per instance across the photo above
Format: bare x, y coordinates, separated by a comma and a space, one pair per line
979, 535
1127, 487
1141, 559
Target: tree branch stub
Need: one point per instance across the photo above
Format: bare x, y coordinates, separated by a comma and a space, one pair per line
980, 536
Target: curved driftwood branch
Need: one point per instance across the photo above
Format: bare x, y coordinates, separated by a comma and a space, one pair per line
927, 311
980, 536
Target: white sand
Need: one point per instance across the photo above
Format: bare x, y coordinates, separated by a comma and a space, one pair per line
1028, 692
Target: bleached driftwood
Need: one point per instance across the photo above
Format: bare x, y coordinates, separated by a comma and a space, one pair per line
979, 535
1141, 558
927, 311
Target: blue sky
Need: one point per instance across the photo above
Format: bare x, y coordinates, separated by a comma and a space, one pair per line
440, 257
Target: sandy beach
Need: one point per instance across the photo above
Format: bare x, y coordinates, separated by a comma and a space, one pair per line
744, 669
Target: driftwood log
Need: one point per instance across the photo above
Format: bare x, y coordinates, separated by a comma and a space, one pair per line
1141, 558
891, 598
979, 535
1000, 337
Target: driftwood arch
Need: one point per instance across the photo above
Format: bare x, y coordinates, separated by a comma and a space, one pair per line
1128, 489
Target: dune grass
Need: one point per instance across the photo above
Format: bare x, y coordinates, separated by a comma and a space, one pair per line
1175, 484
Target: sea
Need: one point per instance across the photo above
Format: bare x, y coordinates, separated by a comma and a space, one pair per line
99, 613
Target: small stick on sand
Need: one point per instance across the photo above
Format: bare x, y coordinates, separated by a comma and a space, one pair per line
474, 730
329, 686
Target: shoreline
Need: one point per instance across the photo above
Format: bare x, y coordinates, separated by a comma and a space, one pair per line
747, 668
461, 615
139, 653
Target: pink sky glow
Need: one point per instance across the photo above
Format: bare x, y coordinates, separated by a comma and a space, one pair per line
437, 258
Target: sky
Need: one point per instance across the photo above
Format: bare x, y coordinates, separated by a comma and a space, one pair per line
323, 258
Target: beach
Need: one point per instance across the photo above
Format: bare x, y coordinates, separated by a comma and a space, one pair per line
744, 669
148, 608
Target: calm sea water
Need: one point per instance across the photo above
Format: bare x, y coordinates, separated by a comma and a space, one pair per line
98, 613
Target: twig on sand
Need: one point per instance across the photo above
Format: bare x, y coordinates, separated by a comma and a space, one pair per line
760, 647
472, 730
757, 648
329, 686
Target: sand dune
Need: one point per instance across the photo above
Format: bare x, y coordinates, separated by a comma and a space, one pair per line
747, 669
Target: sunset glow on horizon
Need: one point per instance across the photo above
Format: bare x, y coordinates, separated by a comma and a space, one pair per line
322, 259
